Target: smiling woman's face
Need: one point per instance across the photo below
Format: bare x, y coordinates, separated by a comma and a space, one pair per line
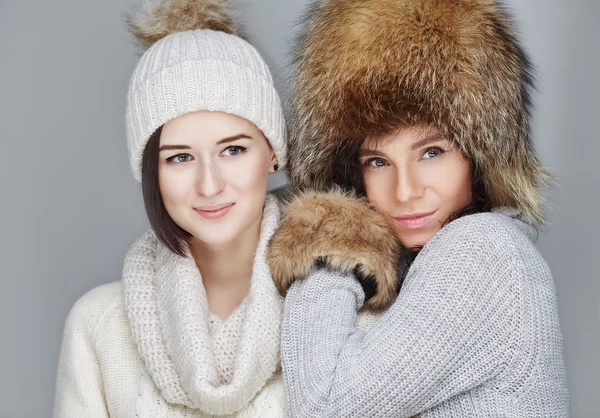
212, 171
418, 178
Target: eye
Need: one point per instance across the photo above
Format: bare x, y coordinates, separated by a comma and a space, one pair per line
233, 150
375, 162
180, 158
432, 152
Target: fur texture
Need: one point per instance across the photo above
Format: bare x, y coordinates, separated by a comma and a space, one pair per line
170, 16
370, 67
341, 231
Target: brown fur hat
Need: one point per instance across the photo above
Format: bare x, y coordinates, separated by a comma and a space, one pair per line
370, 67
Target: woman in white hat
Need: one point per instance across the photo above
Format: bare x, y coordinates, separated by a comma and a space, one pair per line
192, 329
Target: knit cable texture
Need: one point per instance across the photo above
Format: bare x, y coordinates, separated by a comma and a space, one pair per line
168, 312
474, 332
201, 70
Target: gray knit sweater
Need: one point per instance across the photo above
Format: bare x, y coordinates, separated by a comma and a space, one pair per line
474, 333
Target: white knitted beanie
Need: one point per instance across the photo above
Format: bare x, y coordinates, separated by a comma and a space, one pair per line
195, 61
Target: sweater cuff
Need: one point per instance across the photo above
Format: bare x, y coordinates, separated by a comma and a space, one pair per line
337, 287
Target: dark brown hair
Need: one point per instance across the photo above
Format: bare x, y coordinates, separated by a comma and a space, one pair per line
167, 231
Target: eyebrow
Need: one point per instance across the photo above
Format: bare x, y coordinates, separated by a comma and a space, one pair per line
233, 138
370, 153
427, 140
168, 147
173, 147
420, 143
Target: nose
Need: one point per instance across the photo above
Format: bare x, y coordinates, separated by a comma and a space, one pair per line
408, 186
209, 182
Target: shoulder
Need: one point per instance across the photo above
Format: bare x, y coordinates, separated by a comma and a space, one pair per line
95, 308
496, 233
491, 225
96, 302
496, 243
488, 245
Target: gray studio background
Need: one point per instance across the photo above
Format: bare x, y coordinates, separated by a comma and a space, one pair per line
70, 207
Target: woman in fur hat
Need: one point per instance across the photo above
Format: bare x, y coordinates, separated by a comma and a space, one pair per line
422, 107
193, 327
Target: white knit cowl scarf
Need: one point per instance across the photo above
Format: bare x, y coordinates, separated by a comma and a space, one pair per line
168, 312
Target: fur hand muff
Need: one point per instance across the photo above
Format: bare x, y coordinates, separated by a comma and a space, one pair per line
339, 231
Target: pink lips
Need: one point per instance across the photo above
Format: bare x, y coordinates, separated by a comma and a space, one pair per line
414, 221
214, 212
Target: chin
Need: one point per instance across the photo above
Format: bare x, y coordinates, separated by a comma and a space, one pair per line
218, 235
412, 245
416, 240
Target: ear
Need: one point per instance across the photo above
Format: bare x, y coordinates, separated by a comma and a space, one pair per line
272, 161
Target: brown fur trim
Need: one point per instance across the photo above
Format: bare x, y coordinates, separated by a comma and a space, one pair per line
369, 67
345, 233
170, 16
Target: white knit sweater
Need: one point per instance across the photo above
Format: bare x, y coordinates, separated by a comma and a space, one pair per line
148, 346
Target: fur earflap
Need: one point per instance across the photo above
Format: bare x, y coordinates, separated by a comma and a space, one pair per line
343, 233
370, 67
170, 16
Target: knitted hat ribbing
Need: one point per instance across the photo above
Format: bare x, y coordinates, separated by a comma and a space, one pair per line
199, 64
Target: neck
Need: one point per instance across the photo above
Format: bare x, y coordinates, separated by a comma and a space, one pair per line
226, 269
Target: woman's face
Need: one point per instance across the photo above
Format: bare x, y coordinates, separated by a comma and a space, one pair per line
212, 173
416, 177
